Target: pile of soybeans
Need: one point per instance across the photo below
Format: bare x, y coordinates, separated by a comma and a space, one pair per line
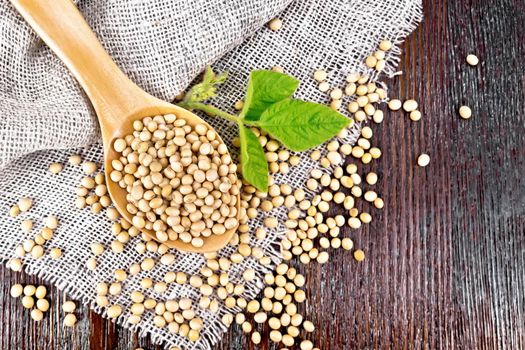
180, 180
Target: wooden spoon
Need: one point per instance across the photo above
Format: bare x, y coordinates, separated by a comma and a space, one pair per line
116, 99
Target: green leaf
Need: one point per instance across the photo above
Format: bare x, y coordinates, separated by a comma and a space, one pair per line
264, 89
253, 161
301, 125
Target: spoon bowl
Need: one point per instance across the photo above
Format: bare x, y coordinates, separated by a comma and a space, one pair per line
118, 194
117, 101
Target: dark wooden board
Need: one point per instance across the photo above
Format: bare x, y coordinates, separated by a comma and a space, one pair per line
445, 264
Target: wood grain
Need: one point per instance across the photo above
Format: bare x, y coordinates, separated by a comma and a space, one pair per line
445, 264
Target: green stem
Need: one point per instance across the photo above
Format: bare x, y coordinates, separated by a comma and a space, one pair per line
211, 110
249, 122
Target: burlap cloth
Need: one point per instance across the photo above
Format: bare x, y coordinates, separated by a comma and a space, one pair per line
162, 45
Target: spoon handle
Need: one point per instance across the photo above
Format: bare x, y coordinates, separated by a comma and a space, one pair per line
64, 30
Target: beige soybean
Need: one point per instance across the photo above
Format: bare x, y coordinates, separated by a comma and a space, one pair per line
55, 253
394, 104
114, 311
15, 264
378, 116
472, 60
347, 243
371, 178
359, 255
55, 168
256, 337
465, 112
24, 204
385, 45
40, 292
75, 159
70, 320
69, 307
308, 326
91, 264
16, 290
37, 252
28, 244
89, 167
371, 61
97, 248
379, 203
39, 239
42, 305
410, 105
14, 211
37, 315
324, 86
415, 115
320, 75
306, 345
28, 301
380, 65
275, 24
102, 288
26, 225
276, 336
423, 160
